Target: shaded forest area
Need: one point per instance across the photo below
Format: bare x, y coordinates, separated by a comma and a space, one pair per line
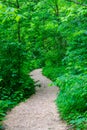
48, 34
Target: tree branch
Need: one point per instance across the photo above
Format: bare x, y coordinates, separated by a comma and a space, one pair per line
17, 3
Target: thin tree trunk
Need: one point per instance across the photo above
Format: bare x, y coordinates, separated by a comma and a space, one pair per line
56, 8
18, 26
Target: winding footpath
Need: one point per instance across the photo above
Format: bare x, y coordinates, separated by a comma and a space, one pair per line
39, 112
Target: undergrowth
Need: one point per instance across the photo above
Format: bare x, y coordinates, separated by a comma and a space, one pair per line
72, 99
15, 82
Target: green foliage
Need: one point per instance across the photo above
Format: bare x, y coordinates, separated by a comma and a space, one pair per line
71, 74
4, 106
53, 72
14, 77
72, 99
15, 83
15, 65
48, 34
73, 92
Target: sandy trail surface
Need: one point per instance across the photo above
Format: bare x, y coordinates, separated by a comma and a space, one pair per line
39, 112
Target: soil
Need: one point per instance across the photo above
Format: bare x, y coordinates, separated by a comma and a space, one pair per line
39, 112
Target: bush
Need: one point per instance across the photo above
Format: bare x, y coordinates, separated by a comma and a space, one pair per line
14, 74
72, 99
53, 72
4, 106
15, 83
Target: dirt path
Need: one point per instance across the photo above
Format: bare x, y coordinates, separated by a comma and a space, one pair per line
39, 112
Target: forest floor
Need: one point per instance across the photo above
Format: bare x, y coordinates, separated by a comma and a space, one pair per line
39, 112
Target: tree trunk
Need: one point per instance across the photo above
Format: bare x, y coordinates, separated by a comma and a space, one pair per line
18, 26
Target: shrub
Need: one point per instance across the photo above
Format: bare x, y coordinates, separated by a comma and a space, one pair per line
15, 83
13, 71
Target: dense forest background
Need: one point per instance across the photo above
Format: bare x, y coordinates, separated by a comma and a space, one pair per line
48, 34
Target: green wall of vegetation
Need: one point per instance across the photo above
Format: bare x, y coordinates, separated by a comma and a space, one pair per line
48, 34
